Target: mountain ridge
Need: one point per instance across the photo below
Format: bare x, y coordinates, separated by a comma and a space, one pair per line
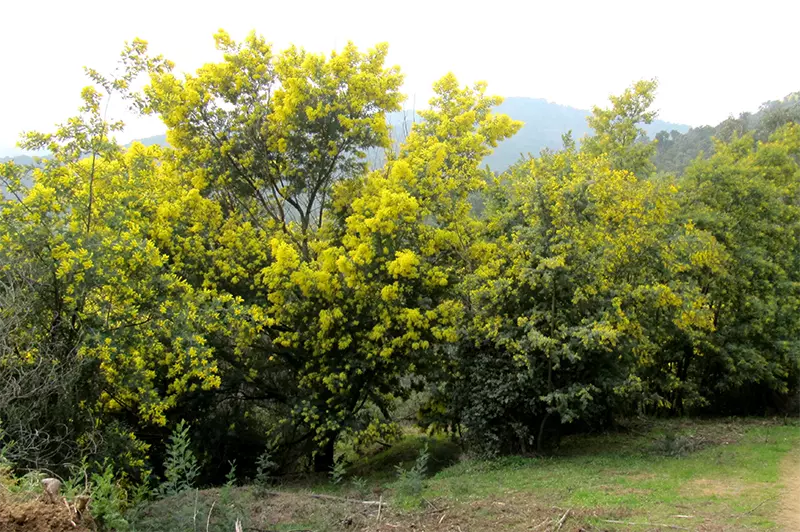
545, 122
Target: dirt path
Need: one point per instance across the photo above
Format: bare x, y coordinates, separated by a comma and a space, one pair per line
789, 506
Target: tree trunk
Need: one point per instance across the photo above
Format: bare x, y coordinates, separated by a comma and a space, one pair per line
683, 374
540, 438
323, 460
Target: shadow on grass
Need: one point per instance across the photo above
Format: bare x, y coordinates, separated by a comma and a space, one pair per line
443, 453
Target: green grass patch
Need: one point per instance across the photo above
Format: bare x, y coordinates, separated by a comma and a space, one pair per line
726, 471
713, 475
443, 453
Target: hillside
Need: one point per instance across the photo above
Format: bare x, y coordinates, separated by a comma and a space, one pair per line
545, 122
19, 159
677, 149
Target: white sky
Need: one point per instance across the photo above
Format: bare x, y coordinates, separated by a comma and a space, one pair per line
712, 58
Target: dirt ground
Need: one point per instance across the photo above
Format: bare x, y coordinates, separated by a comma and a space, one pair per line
789, 506
36, 516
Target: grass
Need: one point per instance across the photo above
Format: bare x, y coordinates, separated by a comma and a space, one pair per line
734, 471
697, 475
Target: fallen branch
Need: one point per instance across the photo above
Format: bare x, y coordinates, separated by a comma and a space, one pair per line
333, 498
432, 511
380, 507
329, 497
561, 521
644, 524
430, 504
757, 506
208, 519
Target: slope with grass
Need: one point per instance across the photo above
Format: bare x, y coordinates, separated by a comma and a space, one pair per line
657, 475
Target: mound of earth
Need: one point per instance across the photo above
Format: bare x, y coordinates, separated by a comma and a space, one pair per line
36, 516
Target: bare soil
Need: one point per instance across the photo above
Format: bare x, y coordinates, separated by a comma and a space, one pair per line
789, 505
36, 516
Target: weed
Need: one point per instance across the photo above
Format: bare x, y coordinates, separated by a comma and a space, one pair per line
265, 468
410, 482
230, 476
676, 445
359, 485
181, 467
338, 471
109, 500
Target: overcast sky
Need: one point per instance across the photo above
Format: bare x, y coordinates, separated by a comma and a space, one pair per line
712, 58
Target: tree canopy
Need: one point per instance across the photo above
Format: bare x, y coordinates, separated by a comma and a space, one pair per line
259, 280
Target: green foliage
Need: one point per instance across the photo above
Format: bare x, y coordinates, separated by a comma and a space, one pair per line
747, 195
230, 476
672, 444
260, 282
443, 452
195, 511
338, 471
180, 467
410, 482
265, 468
109, 500
675, 151
618, 133
359, 484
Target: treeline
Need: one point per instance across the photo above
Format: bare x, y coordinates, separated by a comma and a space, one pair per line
258, 281
676, 150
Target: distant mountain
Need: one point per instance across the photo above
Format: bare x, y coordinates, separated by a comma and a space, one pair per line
676, 149
545, 123
27, 160
155, 140
22, 160
18, 159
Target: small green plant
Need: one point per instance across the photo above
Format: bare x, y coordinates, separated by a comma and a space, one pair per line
265, 468
359, 485
230, 477
78, 481
30, 482
180, 467
109, 500
338, 471
676, 445
411, 481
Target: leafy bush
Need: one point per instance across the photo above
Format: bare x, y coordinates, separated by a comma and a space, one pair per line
411, 481
359, 485
265, 468
338, 471
109, 500
181, 467
193, 511
672, 444
230, 477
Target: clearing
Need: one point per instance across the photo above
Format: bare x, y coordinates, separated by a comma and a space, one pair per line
738, 474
